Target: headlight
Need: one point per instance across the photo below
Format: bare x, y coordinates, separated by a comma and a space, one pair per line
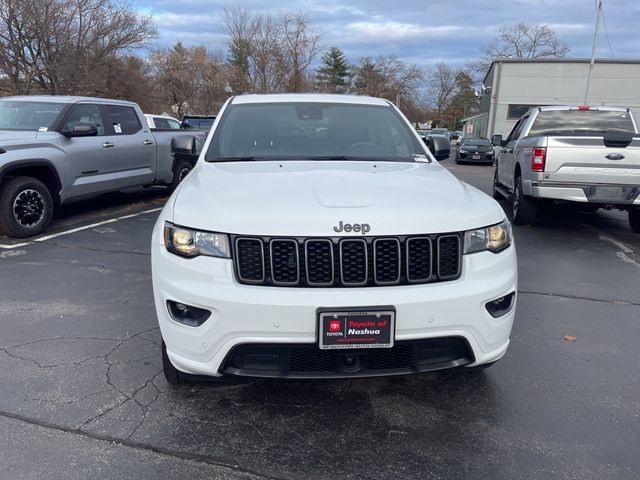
494, 238
191, 243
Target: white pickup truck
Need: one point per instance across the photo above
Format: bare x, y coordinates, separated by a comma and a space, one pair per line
55, 149
581, 155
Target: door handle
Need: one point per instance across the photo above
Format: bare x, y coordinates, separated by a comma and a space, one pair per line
147, 142
108, 145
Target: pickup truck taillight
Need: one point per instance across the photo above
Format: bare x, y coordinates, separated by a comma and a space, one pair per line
538, 159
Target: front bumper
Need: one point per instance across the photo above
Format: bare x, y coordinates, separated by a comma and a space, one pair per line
250, 315
468, 157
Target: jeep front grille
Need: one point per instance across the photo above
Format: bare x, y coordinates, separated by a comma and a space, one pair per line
347, 262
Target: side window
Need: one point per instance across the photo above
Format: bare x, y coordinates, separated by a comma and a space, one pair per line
400, 145
517, 129
123, 120
173, 124
161, 123
84, 113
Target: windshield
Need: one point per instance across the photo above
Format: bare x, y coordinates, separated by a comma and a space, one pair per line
581, 121
27, 115
313, 131
438, 131
475, 142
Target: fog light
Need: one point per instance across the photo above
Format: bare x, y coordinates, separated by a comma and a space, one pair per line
501, 306
186, 314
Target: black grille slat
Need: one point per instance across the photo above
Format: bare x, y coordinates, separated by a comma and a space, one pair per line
308, 361
347, 262
419, 259
387, 261
448, 256
354, 262
319, 262
284, 262
250, 260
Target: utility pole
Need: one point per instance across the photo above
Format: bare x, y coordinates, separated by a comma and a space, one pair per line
593, 50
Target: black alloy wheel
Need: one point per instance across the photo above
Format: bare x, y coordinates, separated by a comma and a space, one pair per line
26, 207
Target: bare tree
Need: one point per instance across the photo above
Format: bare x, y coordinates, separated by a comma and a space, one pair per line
387, 77
300, 46
269, 54
522, 40
442, 85
190, 79
239, 27
58, 46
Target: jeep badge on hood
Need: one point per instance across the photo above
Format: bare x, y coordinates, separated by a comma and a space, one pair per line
363, 228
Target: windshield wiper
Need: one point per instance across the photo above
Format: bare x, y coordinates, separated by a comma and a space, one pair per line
354, 158
329, 157
235, 159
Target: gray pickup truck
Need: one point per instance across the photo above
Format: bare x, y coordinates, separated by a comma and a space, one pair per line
55, 149
588, 156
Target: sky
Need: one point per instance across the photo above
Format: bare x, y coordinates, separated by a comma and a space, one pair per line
418, 32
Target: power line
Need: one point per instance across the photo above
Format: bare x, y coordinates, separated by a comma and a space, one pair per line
604, 24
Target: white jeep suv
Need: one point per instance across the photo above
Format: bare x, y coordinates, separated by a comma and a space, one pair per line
317, 237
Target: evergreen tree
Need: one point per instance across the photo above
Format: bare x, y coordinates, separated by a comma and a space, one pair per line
334, 74
464, 102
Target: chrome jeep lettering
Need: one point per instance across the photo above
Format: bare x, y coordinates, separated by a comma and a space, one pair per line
363, 228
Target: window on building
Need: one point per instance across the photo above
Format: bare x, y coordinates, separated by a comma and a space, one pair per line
516, 110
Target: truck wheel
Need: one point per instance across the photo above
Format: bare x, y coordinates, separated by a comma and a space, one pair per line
495, 192
183, 167
171, 373
523, 208
634, 220
26, 207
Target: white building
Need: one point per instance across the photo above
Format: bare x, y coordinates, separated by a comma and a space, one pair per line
512, 86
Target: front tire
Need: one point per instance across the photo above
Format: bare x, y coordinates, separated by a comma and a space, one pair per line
523, 209
634, 220
171, 373
26, 207
183, 167
495, 192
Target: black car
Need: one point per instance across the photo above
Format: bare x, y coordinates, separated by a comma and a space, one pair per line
475, 150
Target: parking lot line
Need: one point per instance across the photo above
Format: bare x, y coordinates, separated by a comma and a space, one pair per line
79, 229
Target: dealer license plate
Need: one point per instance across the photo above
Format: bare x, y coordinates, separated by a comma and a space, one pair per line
476, 157
356, 329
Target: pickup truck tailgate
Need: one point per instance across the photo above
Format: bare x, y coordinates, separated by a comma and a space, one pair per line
586, 160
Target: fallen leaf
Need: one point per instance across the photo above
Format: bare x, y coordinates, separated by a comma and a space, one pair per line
570, 338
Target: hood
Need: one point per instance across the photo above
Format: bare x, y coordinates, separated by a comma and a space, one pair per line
18, 138
311, 198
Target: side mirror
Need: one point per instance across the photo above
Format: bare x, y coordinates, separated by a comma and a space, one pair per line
440, 147
81, 130
497, 140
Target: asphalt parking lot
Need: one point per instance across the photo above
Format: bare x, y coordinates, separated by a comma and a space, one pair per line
82, 394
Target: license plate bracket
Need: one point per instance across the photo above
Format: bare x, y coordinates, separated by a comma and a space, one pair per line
356, 328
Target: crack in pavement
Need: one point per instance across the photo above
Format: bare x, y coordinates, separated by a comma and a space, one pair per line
577, 297
122, 398
140, 446
119, 342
